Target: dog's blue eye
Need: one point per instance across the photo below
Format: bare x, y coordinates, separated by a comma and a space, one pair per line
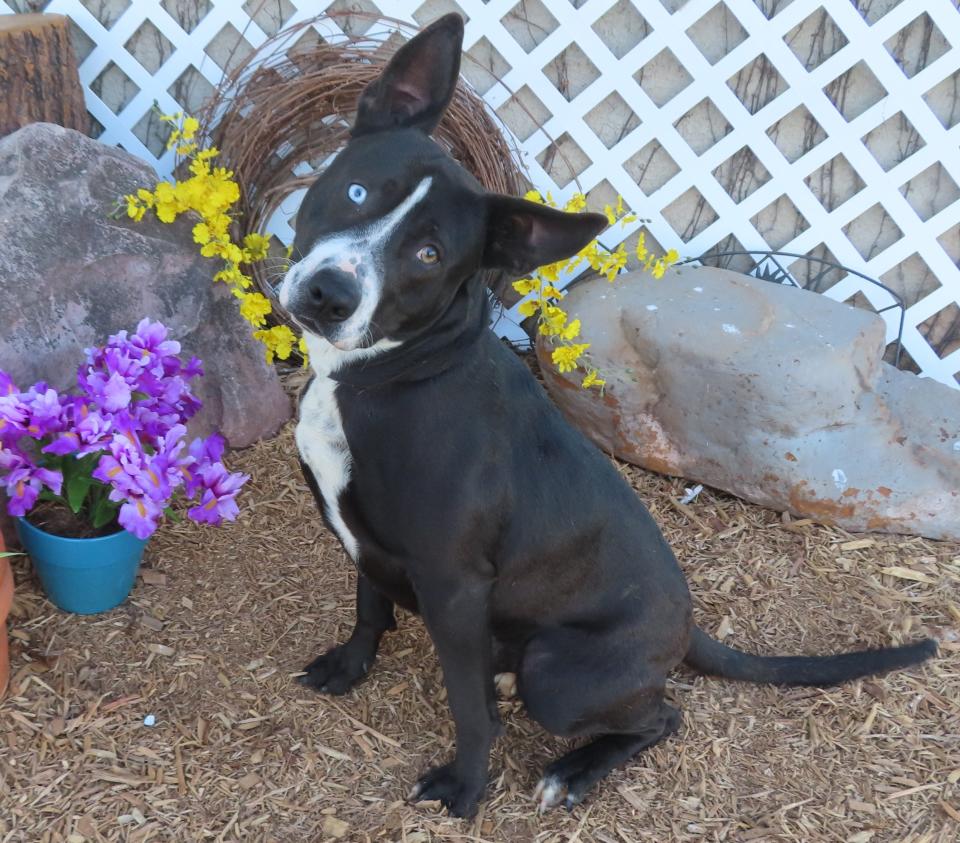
357, 193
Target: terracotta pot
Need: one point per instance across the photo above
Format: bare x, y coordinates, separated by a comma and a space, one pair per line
6, 599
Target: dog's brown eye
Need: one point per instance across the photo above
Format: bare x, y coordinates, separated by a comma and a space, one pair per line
428, 254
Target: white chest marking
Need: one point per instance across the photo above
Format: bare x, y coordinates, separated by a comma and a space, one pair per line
320, 437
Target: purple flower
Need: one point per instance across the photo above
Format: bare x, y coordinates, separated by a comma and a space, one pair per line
140, 516
152, 337
43, 409
209, 449
218, 500
13, 412
193, 369
12, 458
110, 391
90, 433
24, 485
123, 467
134, 399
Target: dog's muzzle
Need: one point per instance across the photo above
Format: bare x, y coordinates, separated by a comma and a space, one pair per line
326, 299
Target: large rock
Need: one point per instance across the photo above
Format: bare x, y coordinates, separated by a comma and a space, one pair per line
772, 393
70, 275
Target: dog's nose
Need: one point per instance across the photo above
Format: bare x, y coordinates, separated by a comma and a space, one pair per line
333, 295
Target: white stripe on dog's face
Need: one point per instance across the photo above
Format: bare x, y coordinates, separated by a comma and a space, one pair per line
359, 252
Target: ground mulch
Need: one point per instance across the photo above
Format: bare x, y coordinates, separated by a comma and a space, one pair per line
221, 620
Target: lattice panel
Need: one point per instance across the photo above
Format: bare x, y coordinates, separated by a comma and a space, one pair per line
828, 129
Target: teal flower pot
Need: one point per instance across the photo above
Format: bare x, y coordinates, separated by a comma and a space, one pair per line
84, 576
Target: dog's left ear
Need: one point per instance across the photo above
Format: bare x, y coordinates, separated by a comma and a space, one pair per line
418, 82
523, 235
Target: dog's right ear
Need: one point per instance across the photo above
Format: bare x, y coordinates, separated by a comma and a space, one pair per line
417, 84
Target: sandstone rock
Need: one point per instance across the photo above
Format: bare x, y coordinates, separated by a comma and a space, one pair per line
771, 393
70, 276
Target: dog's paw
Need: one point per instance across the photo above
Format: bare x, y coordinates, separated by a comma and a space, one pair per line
553, 790
445, 785
336, 671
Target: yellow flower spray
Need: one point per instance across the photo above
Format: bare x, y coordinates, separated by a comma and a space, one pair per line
553, 321
211, 193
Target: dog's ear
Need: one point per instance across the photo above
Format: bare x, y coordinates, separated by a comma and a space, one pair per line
523, 235
417, 84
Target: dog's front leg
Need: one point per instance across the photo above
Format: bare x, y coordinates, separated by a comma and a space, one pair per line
456, 614
341, 667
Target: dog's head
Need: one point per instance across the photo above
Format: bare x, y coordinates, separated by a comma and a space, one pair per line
389, 232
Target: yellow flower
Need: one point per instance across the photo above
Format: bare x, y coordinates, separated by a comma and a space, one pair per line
524, 286
255, 308
201, 233
255, 247
232, 275
551, 272
278, 340
592, 379
571, 331
552, 320
642, 247
591, 252
166, 213
190, 126
533, 196
134, 209
528, 308
671, 257
576, 203
614, 262
566, 357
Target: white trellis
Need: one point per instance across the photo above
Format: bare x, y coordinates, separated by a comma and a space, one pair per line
818, 128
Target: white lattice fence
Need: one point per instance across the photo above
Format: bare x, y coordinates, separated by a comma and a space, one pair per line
821, 129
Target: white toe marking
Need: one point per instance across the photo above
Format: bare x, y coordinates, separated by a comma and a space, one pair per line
506, 684
550, 792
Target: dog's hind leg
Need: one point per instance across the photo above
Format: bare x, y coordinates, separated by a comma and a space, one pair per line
568, 779
580, 684
340, 668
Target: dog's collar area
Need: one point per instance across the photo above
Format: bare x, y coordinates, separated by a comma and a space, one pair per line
451, 339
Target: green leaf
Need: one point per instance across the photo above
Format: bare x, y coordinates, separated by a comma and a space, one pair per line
104, 511
4, 554
77, 490
172, 514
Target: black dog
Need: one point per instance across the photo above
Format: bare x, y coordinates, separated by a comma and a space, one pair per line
454, 483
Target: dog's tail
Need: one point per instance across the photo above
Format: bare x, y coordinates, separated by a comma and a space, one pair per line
711, 657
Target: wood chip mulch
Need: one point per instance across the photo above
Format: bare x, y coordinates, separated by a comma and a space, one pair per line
221, 621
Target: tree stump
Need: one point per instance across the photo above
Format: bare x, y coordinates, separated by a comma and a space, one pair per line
38, 74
